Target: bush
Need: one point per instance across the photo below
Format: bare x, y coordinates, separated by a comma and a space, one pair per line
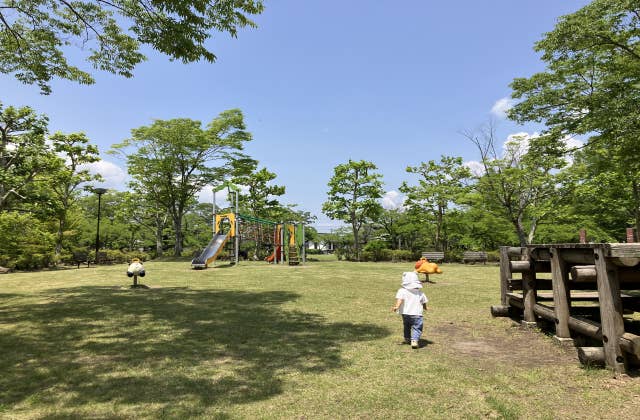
376, 251
453, 255
493, 256
26, 244
402, 255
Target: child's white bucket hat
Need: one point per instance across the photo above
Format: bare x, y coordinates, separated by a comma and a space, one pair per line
410, 280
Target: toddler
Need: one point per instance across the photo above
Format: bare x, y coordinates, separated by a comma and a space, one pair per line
410, 301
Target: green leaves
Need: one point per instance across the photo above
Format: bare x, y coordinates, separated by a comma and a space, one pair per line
260, 198
24, 155
440, 185
35, 34
353, 195
170, 161
590, 86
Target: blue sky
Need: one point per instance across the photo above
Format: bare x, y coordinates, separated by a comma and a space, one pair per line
322, 82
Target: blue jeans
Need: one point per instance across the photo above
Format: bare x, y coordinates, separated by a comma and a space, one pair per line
412, 326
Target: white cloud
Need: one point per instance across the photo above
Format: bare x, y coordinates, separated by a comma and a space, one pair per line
572, 144
500, 108
517, 144
476, 168
393, 200
114, 176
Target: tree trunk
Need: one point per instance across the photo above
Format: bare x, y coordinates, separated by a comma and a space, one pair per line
356, 241
59, 235
177, 246
438, 229
636, 197
517, 223
532, 231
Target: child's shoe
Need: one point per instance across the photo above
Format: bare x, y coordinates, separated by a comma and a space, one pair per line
406, 341
414, 344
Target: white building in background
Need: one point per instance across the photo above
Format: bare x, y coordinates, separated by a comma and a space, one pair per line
321, 244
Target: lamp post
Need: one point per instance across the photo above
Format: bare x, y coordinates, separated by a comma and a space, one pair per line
98, 191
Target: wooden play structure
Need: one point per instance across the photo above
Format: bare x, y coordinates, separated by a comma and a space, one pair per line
287, 240
589, 293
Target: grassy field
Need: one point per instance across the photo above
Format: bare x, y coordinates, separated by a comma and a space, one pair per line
259, 341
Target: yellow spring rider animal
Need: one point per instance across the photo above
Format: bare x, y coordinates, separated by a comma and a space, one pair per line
425, 267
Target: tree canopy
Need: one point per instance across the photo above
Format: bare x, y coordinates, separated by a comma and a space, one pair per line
172, 160
591, 85
35, 35
354, 190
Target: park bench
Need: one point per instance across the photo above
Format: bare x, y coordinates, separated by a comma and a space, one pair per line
433, 256
474, 256
81, 257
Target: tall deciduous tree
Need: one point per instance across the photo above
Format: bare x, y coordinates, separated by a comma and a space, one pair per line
591, 84
24, 155
353, 196
74, 151
520, 182
173, 160
440, 185
35, 35
603, 192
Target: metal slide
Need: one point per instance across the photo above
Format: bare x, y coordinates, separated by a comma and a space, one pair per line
211, 252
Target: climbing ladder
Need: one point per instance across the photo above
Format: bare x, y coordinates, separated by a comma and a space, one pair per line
293, 256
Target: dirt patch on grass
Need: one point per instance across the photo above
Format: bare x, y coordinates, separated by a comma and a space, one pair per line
514, 346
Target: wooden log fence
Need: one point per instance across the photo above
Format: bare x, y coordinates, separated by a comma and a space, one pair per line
547, 282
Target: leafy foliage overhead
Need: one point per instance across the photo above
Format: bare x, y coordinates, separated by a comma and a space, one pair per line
35, 35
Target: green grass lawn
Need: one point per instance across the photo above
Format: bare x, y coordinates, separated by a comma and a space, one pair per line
260, 341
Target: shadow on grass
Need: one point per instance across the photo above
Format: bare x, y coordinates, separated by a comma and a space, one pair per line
162, 346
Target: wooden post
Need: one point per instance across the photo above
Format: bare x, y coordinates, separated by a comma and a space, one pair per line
505, 274
529, 294
499, 310
610, 311
583, 236
561, 298
135, 280
591, 356
630, 236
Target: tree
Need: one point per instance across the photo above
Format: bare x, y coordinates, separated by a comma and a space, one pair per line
520, 183
173, 160
260, 193
590, 86
74, 151
259, 198
138, 210
440, 185
601, 197
24, 154
353, 196
35, 35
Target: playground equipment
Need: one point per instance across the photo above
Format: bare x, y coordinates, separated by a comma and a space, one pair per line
134, 270
288, 244
216, 245
586, 304
425, 267
290, 234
